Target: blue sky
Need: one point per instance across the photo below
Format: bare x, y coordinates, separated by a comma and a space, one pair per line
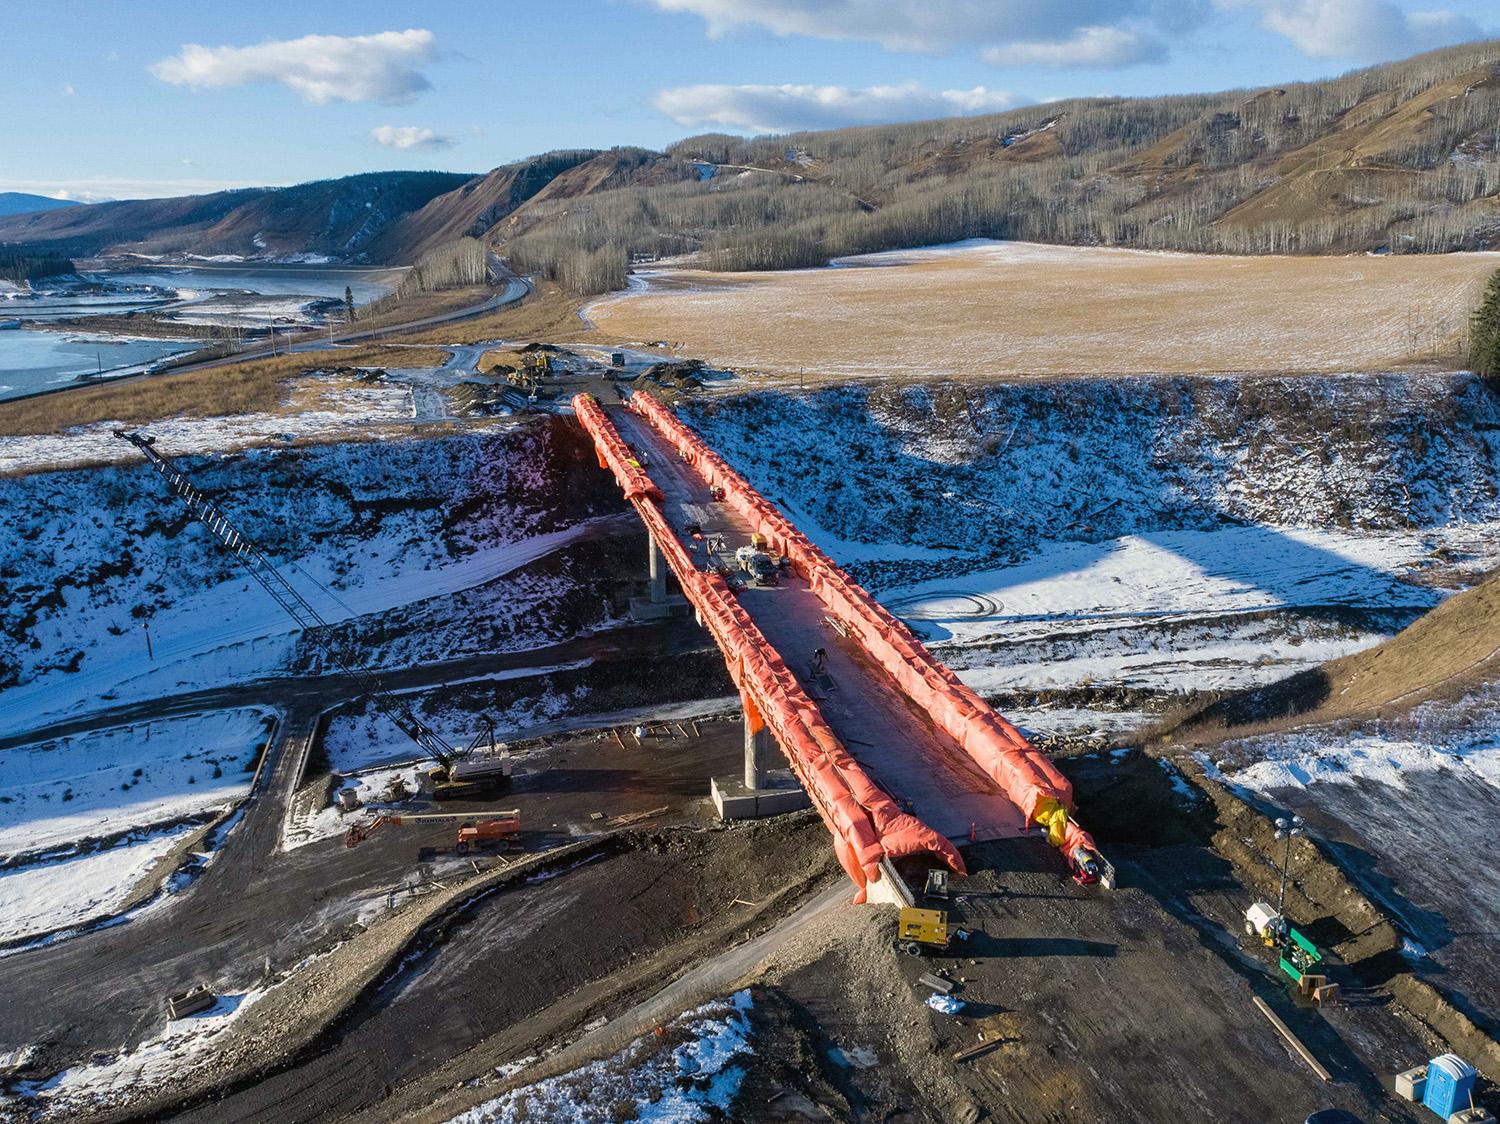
116, 98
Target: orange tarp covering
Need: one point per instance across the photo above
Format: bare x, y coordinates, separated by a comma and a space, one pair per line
614, 454
1030, 780
865, 822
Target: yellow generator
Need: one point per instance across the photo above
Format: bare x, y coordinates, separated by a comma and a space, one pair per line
922, 930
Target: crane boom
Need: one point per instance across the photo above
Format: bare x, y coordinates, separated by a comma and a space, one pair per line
293, 603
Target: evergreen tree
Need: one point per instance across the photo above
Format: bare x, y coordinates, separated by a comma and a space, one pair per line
1484, 331
349, 303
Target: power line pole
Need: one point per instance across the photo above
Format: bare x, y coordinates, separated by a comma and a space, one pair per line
1285, 829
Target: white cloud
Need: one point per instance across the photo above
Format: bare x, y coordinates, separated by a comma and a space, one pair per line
1088, 46
322, 68
777, 109
409, 136
67, 89
1366, 30
909, 25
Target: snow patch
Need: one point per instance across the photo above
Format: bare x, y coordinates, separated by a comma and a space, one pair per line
695, 1080
341, 410
45, 897
118, 1079
101, 783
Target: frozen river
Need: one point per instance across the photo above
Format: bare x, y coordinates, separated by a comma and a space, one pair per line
40, 359
37, 360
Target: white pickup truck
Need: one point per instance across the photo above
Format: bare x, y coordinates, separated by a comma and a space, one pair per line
757, 564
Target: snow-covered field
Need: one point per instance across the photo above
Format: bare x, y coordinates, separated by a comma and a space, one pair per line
1174, 573
696, 1079
1157, 533
194, 648
1203, 596
48, 896
1463, 738
97, 785
329, 408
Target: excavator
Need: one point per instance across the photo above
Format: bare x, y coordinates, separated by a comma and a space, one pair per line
458, 773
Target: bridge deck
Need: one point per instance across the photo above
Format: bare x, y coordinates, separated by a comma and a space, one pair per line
920, 766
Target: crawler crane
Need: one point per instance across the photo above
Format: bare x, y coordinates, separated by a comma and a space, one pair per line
458, 772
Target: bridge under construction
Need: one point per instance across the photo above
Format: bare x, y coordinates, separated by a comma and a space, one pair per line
898, 757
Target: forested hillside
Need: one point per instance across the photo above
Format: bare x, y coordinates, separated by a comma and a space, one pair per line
338, 218
1404, 157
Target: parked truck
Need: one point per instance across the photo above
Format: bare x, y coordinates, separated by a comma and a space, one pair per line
757, 565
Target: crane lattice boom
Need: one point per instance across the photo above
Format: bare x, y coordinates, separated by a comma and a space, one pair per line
293, 603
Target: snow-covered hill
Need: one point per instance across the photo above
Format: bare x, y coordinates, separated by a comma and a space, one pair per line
1164, 532
439, 548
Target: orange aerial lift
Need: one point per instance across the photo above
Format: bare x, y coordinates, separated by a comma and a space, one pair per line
502, 831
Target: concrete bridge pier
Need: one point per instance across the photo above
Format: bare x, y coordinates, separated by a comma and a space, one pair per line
658, 603
656, 567
762, 790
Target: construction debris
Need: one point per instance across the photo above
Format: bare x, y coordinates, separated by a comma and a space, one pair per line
945, 1004
977, 1051
937, 983
1292, 1039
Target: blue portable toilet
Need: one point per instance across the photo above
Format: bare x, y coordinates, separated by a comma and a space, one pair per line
1450, 1084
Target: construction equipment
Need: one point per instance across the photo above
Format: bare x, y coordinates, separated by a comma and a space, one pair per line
1090, 868
758, 564
937, 884
1297, 955
459, 773
919, 931
501, 831
194, 1001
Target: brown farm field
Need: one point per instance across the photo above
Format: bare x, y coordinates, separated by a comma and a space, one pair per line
1017, 310
253, 386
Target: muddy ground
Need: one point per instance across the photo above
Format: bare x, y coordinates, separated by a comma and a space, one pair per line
1131, 1005
502, 977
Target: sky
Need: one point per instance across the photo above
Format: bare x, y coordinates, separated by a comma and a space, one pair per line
123, 99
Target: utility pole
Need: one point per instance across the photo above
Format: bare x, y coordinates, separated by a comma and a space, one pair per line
1285, 829
146, 628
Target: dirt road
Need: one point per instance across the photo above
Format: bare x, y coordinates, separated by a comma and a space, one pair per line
256, 906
